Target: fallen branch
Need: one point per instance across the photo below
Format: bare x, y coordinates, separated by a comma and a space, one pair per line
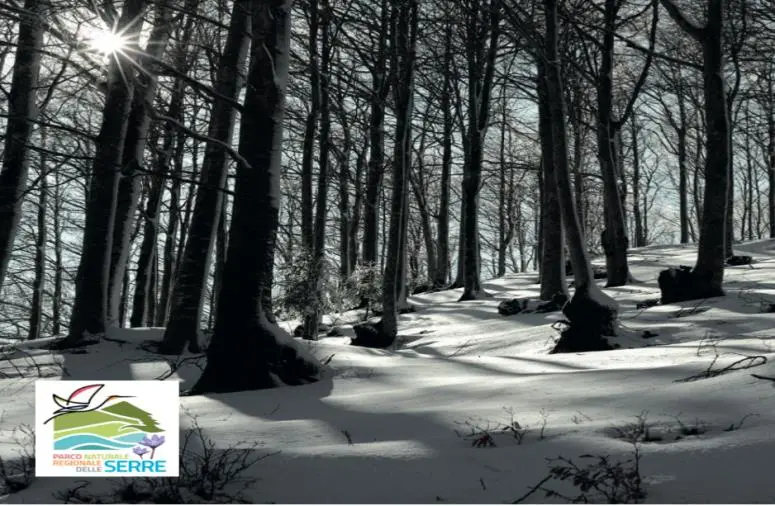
743, 363
176, 364
538, 486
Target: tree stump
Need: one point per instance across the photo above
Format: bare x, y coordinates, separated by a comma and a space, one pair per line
512, 307
588, 321
370, 335
737, 260
684, 284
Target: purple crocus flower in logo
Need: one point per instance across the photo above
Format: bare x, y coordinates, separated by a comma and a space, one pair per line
152, 442
140, 451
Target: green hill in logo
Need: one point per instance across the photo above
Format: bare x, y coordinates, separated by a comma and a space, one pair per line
111, 421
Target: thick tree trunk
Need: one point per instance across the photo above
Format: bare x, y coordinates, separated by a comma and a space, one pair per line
247, 351
405, 35
590, 312
709, 269
90, 306
553, 280
615, 240
22, 113
188, 292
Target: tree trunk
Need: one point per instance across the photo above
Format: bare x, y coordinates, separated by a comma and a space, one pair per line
312, 318
504, 235
750, 180
188, 293
308, 149
709, 269
153, 286
683, 189
379, 92
442, 234
640, 236
56, 300
771, 167
418, 188
404, 26
173, 224
345, 210
22, 113
146, 272
38, 283
552, 269
579, 136
615, 234
90, 305
481, 58
221, 244
247, 351
357, 208
130, 178
139, 316
590, 312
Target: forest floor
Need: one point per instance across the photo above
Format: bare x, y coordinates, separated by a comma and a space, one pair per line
470, 405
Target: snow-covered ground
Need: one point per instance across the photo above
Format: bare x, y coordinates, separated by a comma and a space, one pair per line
391, 426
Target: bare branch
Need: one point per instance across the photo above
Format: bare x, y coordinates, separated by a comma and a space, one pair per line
690, 27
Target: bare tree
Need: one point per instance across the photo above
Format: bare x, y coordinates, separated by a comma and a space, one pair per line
90, 306
404, 33
552, 269
590, 312
481, 51
709, 269
248, 351
615, 240
321, 97
132, 160
188, 292
22, 112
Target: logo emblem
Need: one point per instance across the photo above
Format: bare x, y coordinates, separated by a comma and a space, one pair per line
114, 428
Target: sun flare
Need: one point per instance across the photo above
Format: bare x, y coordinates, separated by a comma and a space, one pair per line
105, 41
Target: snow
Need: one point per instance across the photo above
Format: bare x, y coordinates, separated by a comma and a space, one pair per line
389, 426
